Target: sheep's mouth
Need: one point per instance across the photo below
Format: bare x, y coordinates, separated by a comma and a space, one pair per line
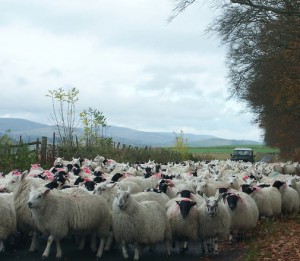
122, 207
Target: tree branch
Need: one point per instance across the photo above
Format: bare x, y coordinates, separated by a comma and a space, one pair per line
292, 12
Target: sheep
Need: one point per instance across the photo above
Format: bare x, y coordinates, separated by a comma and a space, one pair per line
267, 199
209, 188
80, 214
214, 223
20, 185
139, 223
293, 182
109, 190
290, 198
152, 195
243, 211
183, 217
233, 182
144, 183
8, 220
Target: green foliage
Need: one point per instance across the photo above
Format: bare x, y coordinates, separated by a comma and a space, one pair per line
93, 122
15, 156
180, 145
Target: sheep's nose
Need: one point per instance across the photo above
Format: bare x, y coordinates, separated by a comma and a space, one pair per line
29, 204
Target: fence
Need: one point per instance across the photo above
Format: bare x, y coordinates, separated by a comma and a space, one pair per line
42, 151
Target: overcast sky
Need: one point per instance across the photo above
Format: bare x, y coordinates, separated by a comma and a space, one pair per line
125, 59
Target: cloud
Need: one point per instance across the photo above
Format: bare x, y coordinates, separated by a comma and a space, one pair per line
125, 59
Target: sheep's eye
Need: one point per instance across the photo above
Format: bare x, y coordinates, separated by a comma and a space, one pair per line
39, 196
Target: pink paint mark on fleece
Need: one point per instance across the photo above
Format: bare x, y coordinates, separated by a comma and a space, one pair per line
35, 166
48, 175
86, 170
157, 175
16, 173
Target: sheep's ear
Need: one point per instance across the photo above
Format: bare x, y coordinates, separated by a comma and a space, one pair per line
24, 174
219, 197
111, 185
46, 192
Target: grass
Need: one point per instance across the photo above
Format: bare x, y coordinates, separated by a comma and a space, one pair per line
223, 152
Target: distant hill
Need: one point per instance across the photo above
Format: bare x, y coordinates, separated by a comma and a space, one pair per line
30, 131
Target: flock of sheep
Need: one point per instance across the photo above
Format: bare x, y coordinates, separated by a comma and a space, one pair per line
143, 204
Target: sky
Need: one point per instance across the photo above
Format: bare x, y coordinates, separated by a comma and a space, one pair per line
125, 59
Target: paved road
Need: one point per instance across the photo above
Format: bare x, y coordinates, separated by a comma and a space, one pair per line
267, 158
71, 253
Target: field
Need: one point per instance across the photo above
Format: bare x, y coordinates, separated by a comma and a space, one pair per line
223, 152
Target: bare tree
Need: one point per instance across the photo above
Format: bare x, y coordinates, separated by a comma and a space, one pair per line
63, 115
263, 40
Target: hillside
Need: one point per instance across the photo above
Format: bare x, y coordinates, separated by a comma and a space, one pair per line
31, 130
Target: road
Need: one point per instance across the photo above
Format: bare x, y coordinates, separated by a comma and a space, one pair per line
71, 253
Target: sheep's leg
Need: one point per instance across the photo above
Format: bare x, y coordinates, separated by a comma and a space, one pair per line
81, 243
168, 247
201, 247
136, 252
205, 246
184, 248
100, 249
124, 250
48, 247
210, 246
93, 242
216, 246
58, 249
109, 241
1, 246
34, 241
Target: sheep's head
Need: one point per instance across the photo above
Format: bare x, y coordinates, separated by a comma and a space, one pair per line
121, 199
278, 184
232, 200
212, 206
185, 206
36, 196
201, 188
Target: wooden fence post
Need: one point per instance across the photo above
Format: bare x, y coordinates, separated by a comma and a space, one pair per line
44, 151
53, 147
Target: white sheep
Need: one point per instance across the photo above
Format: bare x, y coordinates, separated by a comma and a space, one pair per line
233, 182
243, 211
109, 190
151, 195
144, 183
139, 223
293, 182
214, 223
267, 199
8, 220
209, 188
20, 185
290, 198
183, 217
58, 214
